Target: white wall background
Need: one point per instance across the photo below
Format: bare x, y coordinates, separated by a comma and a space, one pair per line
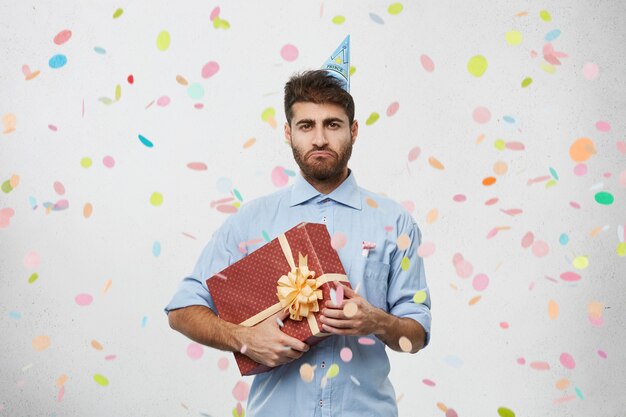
475, 364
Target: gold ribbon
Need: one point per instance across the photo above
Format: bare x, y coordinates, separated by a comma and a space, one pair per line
298, 291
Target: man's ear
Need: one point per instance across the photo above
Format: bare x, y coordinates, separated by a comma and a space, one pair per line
288, 132
354, 130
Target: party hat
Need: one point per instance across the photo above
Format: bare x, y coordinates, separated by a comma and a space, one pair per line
339, 63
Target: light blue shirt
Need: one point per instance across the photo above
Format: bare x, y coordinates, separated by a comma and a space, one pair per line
388, 277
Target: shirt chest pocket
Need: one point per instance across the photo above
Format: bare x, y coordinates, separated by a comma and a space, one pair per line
375, 275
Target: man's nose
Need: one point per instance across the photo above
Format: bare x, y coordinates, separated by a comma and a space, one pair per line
319, 138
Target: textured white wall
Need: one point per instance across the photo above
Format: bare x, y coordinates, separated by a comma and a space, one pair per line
485, 351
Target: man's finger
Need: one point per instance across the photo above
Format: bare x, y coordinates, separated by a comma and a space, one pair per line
347, 291
295, 344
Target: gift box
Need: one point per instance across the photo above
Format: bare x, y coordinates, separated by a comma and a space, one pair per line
295, 271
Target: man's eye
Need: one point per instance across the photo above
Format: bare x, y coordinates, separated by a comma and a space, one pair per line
333, 125
305, 126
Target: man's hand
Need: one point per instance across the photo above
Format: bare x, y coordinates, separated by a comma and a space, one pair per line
267, 344
355, 316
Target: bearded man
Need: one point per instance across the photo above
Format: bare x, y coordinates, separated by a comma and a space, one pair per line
379, 256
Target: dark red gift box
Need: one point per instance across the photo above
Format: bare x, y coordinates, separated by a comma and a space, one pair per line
246, 292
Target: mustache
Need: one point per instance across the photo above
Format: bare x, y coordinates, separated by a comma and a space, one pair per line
323, 148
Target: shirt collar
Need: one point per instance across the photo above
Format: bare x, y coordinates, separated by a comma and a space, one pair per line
347, 193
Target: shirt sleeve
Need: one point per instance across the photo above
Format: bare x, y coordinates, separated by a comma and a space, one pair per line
220, 252
407, 277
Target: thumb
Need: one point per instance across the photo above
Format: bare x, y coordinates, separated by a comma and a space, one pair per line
281, 316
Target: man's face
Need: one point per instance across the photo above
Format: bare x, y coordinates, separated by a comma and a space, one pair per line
321, 139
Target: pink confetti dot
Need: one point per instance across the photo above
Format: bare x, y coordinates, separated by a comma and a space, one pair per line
393, 108
408, 205
108, 161
540, 366
603, 126
464, 269
83, 299
540, 249
52, 127
491, 201
574, 204
5, 216
241, 390
338, 240
456, 258
289, 52
226, 208
602, 354
621, 146
279, 177
426, 249
481, 115
504, 325
480, 282
195, 350
214, 13
591, 70
580, 169
570, 276
345, 354
428, 382
198, 106
521, 361
427, 63
210, 69
414, 153
62, 37
197, 166
459, 198
451, 413
222, 364
58, 188
567, 361
163, 101
32, 260
366, 341
622, 178
110, 357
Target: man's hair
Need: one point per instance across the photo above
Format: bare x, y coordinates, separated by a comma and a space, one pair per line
319, 87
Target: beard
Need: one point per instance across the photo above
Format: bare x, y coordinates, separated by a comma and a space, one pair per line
323, 169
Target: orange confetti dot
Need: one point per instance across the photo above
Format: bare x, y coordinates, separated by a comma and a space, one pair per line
432, 216
87, 210
14, 181
474, 300
371, 202
434, 162
562, 384
540, 366
500, 168
582, 149
41, 343
595, 310
442, 407
181, 80
61, 380
480, 138
96, 345
249, 143
489, 181
553, 310
107, 284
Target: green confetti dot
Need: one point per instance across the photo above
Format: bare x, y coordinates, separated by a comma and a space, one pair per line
554, 174
526, 82
395, 8
237, 204
550, 183
604, 198
579, 393
6, 186
477, 65
499, 144
156, 199
86, 162
372, 119
163, 40
101, 380
338, 20
33, 278
118, 92
333, 371
505, 412
267, 113
545, 16
419, 297
513, 37
195, 91
106, 100
406, 263
221, 24
266, 236
237, 195
352, 70
118, 13
621, 249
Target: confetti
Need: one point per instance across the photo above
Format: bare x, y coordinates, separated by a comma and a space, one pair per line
481, 115
434, 162
426, 249
526, 82
567, 360
480, 282
377, 19
477, 65
279, 177
240, 391
591, 70
307, 372
9, 121
604, 198
505, 412
195, 350
333, 371
41, 343
118, 13
249, 143
373, 117
28, 74
163, 40
83, 299
5, 217
540, 366
222, 364
101, 380
33, 277
195, 91
403, 241
156, 199
414, 153
393, 108
62, 37
96, 345
338, 241
405, 344
513, 37
395, 8
289, 52
553, 310
209, 69
345, 354
57, 61
338, 20
366, 341
427, 63
350, 309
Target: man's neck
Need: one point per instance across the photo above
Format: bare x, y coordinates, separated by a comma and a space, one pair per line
327, 186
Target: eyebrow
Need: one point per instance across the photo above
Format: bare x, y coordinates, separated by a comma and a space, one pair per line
325, 121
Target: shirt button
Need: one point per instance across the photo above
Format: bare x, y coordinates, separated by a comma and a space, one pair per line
321, 403
323, 365
324, 219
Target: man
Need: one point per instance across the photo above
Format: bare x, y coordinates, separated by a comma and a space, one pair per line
321, 131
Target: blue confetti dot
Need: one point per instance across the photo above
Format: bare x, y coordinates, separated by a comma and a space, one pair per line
15, 315
579, 393
563, 239
32, 201
552, 35
100, 50
145, 141
509, 119
156, 248
290, 173
144, 321
554, 174
195, 91
57, 61
377, 19
237, 194
266, 236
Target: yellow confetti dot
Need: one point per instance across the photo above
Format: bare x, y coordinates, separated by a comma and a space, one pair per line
86, 162
163, 40
268, 113
477, 65
405, 264
499, 144
545, 16
338, 20
156, 199
513, 37
338, 60
118, 13
549, 68
405, 344
333, 371
419, 297
101, 380
526, 82
581, 262
372, 119
118, 92
395, 8
352, 70
621, 249
403, 241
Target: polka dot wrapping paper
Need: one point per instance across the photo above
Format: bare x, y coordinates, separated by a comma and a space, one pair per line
248, 287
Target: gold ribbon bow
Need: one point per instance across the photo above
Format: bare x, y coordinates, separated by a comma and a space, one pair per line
298, 291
